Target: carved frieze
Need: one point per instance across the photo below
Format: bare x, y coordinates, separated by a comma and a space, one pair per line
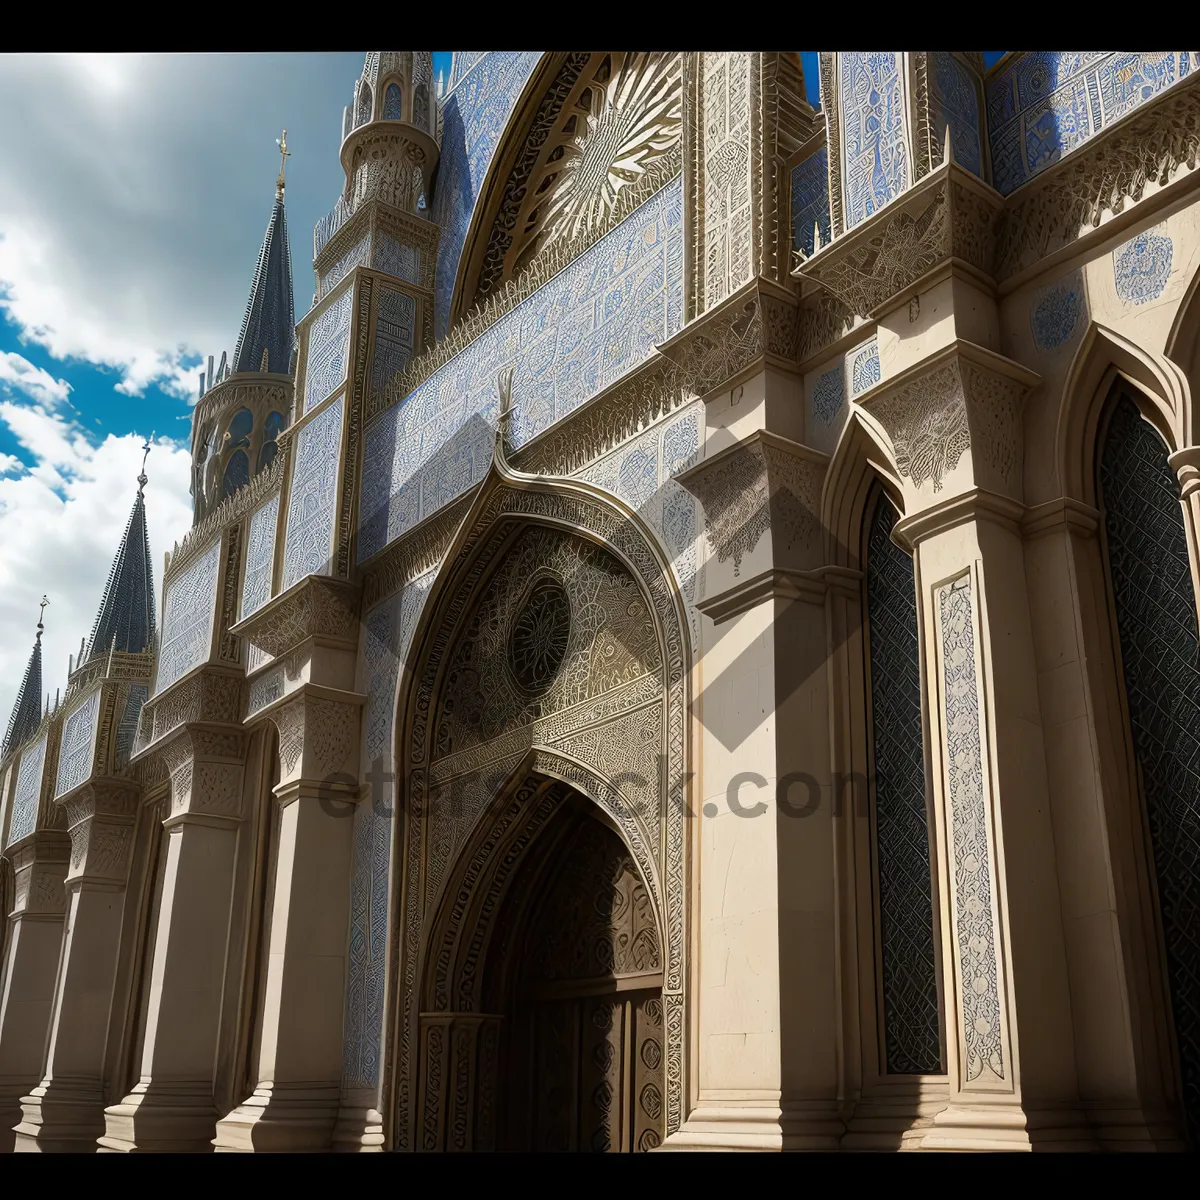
960, 404
947, 215
100, 818
318, 737
317, 606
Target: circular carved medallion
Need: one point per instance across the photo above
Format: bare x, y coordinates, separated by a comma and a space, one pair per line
538, 642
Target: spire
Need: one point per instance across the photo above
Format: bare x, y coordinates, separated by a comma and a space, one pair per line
126, 617
269, 326
27, 711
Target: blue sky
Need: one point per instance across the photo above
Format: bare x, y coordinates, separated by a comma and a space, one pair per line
134, 194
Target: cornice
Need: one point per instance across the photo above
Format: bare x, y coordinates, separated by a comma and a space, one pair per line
976, 504
778, 583
318, 606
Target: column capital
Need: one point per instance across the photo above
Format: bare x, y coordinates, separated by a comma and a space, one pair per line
762, 509
204, 763
954, 422
100, 820
318, 737
38, 869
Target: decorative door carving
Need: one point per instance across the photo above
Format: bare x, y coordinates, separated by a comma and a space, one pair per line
585, 1046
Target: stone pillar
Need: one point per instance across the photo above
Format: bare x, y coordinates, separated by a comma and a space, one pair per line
767, 1066
172, 1108
954, 424
65, 1111
295, 1104
30, 966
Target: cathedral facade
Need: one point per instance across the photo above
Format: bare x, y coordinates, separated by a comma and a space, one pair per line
690, 643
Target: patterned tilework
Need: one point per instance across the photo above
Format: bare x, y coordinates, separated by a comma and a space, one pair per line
1055, 312
482, 94
828, 395
388, 629
328, 341
28, 789
127, 725
308, 543
577, 334
393, 257
1046, 103
357, 256
188, 618
874, 140
78, 740
394, 333
1142, 267
260, 554
954, 101
980, 1039
864, 367
810, 200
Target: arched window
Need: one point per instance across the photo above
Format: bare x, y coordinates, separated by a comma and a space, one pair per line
363, 114
1155, 608
903, 863
393, 103
266, 455
237, 473
272, 428
240, 428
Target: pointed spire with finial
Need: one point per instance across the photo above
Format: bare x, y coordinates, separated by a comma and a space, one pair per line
126, 617
26, 713
269, 326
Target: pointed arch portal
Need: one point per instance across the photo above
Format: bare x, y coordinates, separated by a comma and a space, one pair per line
540, 902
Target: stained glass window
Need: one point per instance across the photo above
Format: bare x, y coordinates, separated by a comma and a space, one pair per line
903, 864
237, 473
1160, 658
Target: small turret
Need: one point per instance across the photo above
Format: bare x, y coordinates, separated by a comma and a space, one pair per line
26, 713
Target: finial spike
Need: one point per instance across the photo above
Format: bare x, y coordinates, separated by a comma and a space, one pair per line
41, 615
816, 236
948, 153
142, 479
504, 384
284, 155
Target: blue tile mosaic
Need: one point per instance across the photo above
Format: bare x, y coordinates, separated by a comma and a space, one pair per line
391, 256
810, 200
954, 102
394, 333
260, 556
356, 256
580, 332
1045, 103
1055, 312
308, 543
328, 342
78, 740
28, 790
483, 93
1142, 267
188, 613
874, 142
864, 368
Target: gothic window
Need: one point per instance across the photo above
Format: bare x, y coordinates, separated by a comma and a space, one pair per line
393, 103
240, 428
901, 849
363, 113
272, 428
237, 473
1160, 657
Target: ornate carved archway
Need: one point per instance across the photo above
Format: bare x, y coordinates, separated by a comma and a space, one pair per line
551, 663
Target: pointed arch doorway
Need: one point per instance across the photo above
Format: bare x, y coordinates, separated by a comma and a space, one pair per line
544, 1022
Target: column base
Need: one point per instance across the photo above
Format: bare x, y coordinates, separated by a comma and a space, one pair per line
11, 1092
359, 1130
993, 1128
1135, 1130
814, 1125
60, 1116
161, 1118
897, 1121
292, 1119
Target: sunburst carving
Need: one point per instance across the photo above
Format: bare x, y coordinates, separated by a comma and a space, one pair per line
620, 116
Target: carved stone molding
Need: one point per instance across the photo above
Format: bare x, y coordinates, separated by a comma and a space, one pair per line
762, 484
210, 695
947, 215
205, 766
100, 820
391, 161
318, 737
961, 399
316, 607
1153, 146
39, 867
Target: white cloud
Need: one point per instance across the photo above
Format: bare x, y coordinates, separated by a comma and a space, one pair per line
136, 190
10, 464
19, 373
60, 526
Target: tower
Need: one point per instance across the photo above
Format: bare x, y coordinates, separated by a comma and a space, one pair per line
244, 406
27, 711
